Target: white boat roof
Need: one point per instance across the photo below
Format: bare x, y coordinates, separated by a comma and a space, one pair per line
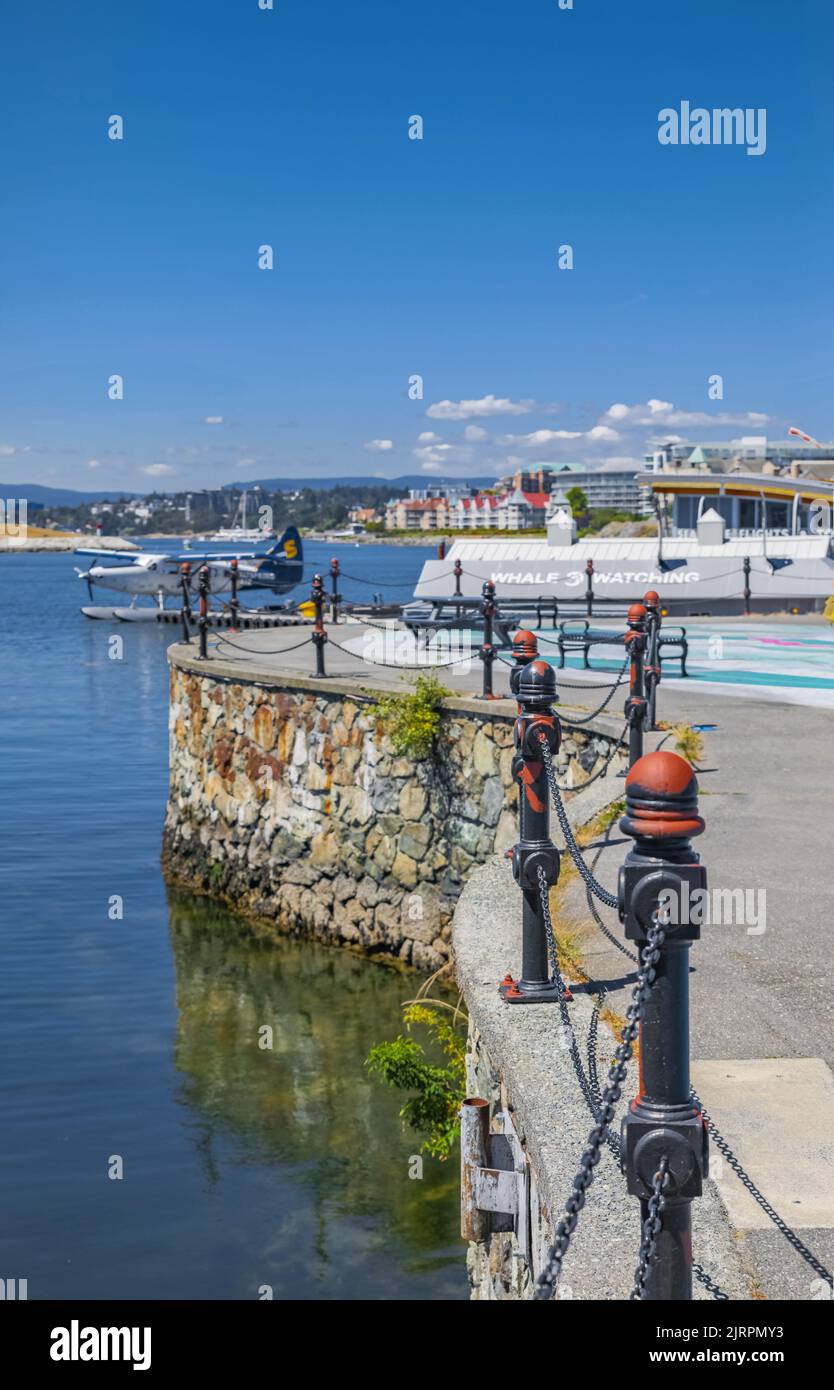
607, 549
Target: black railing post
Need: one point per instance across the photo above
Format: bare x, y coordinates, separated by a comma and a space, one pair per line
234, 602
487, 652
202, 621
335, 596
747, 585
589, 589
535, 849
457, 572
636, 704
663, 883
525, 650
319, 636
651, 601
185, 612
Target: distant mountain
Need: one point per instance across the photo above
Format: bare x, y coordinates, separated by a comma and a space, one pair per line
408, 480
60, 496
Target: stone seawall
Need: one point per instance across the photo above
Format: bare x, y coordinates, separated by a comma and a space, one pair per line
288, 803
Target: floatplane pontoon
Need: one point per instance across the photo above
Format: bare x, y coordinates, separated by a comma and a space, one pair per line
160, 577
708, 528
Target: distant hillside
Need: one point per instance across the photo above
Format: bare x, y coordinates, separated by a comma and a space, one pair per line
408, 480
60, 496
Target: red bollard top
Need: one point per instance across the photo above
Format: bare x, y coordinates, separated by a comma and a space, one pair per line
661, 799
589, 567
651, 599
185, 568
636, 612
525, 644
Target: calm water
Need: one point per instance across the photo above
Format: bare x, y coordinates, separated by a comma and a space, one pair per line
138, 1038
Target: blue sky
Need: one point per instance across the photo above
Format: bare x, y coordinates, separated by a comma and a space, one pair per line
396, 257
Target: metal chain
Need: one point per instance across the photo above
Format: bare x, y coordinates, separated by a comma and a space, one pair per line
549, 1276
575, 723
718, 1138
593, 911
588, 685
615, 747
709, 1283
404, 665
651, 1228
263, 651
781, 1225
576, 854
592, 1098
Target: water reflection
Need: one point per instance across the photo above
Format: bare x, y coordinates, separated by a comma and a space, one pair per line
306, 1104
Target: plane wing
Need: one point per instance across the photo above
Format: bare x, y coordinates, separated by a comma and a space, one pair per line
223, 556
127, 555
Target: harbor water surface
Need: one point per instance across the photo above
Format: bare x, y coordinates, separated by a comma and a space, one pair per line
137, 1039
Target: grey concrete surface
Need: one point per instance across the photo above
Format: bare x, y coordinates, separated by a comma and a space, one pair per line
549, 1109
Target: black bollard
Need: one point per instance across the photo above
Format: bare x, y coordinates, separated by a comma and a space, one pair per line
589, 588
636, 704
335, 596
457, 571
202, 621
234, 603
319, 636
525, 650
488, 652
663, 1129
185, 612
535, 850
651, 601
747, 585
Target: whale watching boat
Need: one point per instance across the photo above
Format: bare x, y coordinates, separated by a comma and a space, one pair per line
717, 534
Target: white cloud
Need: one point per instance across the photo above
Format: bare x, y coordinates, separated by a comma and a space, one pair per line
538, 438
428, 437
656, 412
432, 456
158, 470
8, 450
475, 434
602, 432
213, 420
94, 463
379, 446
487, 405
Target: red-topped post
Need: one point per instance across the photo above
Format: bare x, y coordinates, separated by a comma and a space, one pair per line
651, 601
662, 895
636, 704
525, 650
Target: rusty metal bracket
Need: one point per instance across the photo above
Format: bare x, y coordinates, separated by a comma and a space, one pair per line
495, 1178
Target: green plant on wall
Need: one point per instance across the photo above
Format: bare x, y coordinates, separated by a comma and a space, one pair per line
412, 720
434, 1109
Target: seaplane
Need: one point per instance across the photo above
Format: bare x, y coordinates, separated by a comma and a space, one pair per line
160, 577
